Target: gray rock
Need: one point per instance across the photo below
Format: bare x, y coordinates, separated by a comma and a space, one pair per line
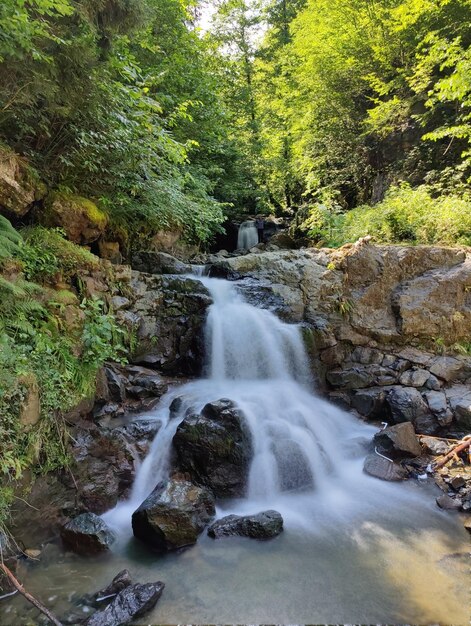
293, 467
115, 385
457, 482
159, 263
447, 368
367, 356
398, 442
264, 525
353, 378
447, 503
407, 405
130, 603
87, 534
118, 303
382, 468
414, 378
173, 516
437, 403
215, 448
435, 447
370, 403
433, 383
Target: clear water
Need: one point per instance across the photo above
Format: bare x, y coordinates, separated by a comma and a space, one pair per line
354, 549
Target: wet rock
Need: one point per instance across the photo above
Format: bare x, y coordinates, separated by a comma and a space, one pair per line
119, 582
447, 503
102, 467
263, 525
398, 441
175, 407
414, 378
115, 385
370, 403
173, 516
87, 534
382, 468
130, 603
407, 405
158, 263
215, 448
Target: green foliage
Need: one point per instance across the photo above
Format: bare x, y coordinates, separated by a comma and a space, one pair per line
411, 216
9, 239
46, 252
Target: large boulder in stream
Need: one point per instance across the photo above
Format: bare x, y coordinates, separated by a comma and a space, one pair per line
87, 534
173, 516
130, 603
398, 442
215, 448
264, 525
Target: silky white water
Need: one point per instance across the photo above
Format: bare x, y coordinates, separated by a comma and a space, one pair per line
247, 236
354, 549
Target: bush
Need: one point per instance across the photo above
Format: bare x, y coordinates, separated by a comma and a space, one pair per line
46, 252
411, 216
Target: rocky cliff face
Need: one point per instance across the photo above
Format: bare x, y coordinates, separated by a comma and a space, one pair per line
388, 326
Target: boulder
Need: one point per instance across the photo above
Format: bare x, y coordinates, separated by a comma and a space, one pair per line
170, 315
352, 378
158, 263
173, 516
437, 403
80, 218
448, 368
215, 448
293, 466
459, 397
20, 187
130, 603
435, 447
87, 534
382, 468
398, 442
407, 405
264, 525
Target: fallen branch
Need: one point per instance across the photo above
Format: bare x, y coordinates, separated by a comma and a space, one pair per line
456, 450
19, 587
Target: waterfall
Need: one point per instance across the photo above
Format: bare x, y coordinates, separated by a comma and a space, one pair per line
307, 453
248, 236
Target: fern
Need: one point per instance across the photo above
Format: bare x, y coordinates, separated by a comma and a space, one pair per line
10, 239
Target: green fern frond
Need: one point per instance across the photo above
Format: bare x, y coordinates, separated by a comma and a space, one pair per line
10, 239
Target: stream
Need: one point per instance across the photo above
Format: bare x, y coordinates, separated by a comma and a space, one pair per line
355, 549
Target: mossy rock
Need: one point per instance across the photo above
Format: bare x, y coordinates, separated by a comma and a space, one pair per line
80, 218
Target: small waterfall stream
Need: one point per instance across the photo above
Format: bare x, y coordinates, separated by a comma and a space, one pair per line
355, 549
308, 454
247, 237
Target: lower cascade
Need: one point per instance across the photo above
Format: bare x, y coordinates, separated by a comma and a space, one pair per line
306, 454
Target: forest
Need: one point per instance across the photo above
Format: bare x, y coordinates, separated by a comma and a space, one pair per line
137, 137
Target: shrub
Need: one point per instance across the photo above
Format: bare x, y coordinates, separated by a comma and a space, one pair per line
413, 216
46, 252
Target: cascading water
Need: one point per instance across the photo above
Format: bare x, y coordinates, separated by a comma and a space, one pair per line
307, 460
354, 550
247, 237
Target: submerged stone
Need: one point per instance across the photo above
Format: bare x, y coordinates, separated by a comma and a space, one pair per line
264, 525
130, 603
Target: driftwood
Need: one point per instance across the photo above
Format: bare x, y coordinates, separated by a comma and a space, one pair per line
456, 450
19, 587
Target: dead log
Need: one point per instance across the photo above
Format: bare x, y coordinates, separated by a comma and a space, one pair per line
19, 587
456, 450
